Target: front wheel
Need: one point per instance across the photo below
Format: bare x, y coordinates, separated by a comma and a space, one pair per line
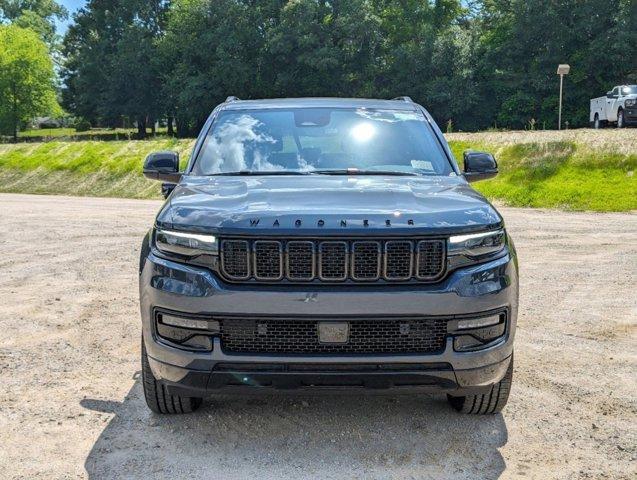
620, 119
486, 403
157, 397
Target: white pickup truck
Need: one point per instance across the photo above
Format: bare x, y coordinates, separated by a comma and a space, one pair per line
619, 106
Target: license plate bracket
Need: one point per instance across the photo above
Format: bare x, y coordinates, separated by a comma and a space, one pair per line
333, 332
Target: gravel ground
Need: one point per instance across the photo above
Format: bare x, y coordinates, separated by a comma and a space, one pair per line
71, 403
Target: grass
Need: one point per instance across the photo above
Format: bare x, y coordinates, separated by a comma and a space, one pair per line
48, 132
91, 168
574, 170
71, 132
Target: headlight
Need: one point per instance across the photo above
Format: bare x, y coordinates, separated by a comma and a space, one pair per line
631, 101
477, 244
188, 244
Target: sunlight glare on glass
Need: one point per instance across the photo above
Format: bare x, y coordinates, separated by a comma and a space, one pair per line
363, 132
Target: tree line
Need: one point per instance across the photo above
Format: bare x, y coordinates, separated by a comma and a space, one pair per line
473, 64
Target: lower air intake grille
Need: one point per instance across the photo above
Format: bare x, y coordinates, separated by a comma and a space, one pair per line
296, 336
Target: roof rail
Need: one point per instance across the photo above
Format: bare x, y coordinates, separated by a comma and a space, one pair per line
232, 98
403, 99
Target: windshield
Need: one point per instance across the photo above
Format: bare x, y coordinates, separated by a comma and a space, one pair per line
629, 89
321, 140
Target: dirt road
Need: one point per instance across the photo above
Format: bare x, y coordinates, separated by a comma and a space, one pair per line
71, 404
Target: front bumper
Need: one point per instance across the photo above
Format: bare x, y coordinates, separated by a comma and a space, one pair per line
630, 115
172, 286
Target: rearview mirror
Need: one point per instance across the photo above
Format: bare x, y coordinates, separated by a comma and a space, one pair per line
479, 166
162, 166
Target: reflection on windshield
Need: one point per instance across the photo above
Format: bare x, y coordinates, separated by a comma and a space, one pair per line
228, 145
304, 140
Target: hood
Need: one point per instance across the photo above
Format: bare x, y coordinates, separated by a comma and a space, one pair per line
326, 204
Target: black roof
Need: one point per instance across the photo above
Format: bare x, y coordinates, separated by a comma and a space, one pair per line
316, 102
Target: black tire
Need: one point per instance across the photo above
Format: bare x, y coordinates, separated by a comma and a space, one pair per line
157, 397
597, 124
620, 119
486, 403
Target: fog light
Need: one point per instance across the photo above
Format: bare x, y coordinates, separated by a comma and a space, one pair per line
477, 333
468, 323
190, 323
191, 333
466, 342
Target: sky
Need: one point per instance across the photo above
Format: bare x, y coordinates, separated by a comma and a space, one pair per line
71, 6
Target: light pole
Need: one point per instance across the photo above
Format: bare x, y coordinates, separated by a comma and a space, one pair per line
562, 69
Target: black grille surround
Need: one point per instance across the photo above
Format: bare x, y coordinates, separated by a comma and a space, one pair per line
333, 260
295, 336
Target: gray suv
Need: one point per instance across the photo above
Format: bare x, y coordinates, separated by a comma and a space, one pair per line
325, 243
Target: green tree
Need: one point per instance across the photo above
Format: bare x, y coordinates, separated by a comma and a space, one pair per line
476, 63
209, 51
523, 41
325, 48
38, 15
26, 79
110, 70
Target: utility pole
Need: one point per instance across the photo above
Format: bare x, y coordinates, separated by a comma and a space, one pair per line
562, 69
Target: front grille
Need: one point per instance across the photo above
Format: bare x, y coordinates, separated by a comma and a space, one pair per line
398, 260
359, 260
300, 260
267, 260
235, 259
333, 260
428, 256
299, 336
365, 260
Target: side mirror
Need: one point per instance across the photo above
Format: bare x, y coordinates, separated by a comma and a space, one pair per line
609, 94
479, 166
162, 166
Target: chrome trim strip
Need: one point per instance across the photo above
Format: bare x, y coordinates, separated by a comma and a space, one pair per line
255, 245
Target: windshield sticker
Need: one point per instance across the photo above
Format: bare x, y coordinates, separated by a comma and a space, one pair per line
422, 165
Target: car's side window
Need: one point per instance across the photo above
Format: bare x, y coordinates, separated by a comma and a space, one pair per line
615, 92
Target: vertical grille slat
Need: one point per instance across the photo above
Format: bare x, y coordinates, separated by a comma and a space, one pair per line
358, 260
300, 260
268, 260
333, 260
430, 257
365, 260
398, 260
235, 259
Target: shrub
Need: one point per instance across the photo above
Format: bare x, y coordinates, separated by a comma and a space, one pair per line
82, 125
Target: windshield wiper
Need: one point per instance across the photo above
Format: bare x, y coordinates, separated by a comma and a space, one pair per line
260, 172
356, 171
